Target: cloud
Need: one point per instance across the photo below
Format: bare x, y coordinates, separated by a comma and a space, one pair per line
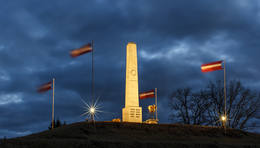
172, 52
4, 76
10, 98
173, 39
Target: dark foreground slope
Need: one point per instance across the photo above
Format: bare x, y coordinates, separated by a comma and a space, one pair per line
108, 134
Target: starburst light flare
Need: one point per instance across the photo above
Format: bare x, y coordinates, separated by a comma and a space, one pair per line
91, 110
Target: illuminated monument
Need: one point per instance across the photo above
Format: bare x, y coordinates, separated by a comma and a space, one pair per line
132, 112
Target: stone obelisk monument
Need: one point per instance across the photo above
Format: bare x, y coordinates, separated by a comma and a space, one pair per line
132, 112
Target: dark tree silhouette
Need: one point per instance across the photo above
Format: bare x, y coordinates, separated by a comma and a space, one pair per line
206, 106
189, 108
57, 123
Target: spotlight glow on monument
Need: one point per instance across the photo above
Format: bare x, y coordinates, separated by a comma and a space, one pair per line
132, 112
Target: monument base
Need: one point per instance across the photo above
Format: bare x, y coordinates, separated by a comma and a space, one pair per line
132, 114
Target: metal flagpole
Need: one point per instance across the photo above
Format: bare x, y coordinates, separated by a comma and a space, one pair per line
225, 95
156, 103
52, 121
92, 80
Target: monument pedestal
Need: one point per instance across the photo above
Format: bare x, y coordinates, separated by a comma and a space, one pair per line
132, 114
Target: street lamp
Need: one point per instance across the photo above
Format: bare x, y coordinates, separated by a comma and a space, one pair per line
92, 110
224, 121
223, 118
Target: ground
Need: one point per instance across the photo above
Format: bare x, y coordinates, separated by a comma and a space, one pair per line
124, 135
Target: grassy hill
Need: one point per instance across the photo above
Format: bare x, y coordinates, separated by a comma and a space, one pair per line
124, 135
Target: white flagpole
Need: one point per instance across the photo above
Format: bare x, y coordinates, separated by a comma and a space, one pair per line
156, 104
92, 70
225, 95
53, 82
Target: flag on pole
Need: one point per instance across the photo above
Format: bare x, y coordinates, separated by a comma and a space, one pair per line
77, 52
148, 94
211, 66
45, 87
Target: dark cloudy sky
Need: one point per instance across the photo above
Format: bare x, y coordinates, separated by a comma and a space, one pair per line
174, 37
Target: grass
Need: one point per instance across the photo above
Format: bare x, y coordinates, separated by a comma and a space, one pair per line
109, 134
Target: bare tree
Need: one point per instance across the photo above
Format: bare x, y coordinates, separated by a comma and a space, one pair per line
200, 104
180, 101
189, 108
243, 105
206, 107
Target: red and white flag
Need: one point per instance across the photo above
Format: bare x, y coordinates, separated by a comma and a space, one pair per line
211, 66
45, 87
77, 52
148, 94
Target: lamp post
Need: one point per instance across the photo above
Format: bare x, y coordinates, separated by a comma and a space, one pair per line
92, 113
224, 121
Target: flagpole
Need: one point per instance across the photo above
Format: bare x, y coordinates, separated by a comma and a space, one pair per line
225, 95
52, 121
92, 80
156, 103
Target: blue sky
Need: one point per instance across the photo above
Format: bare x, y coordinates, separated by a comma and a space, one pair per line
173, 37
